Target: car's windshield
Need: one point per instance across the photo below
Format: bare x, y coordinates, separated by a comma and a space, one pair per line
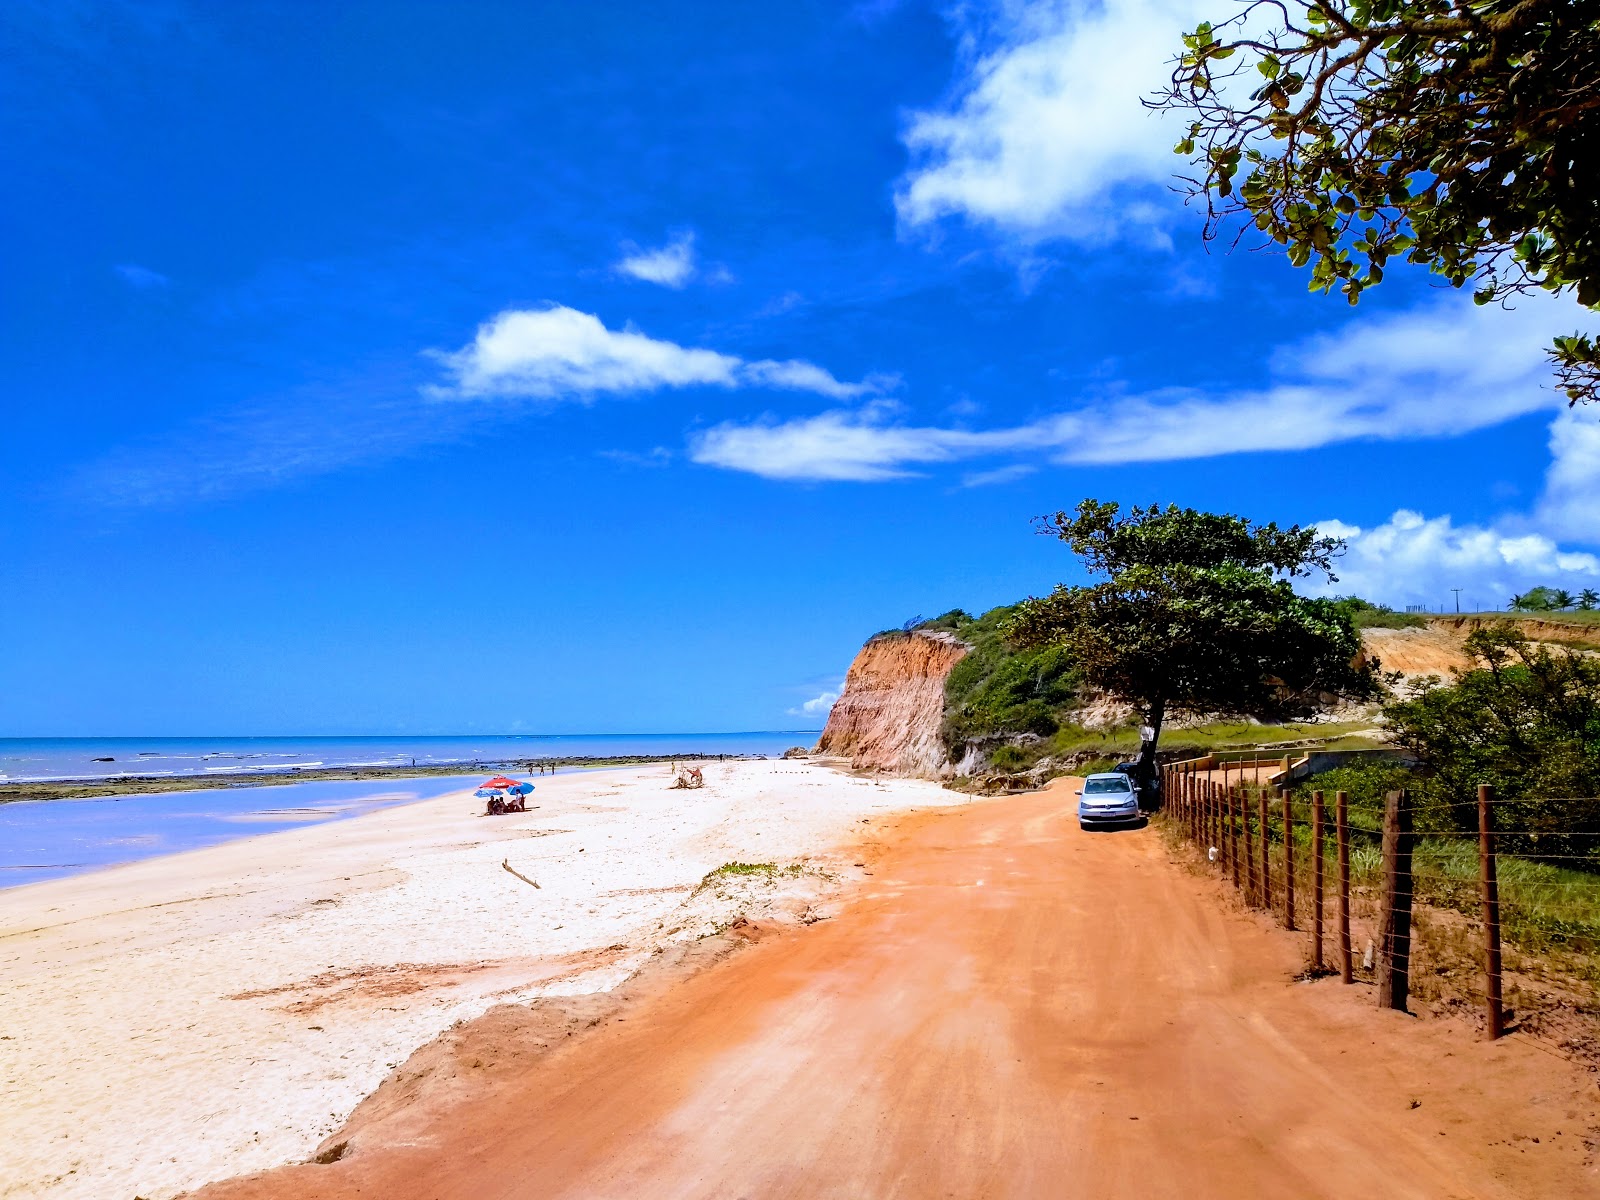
1099, 787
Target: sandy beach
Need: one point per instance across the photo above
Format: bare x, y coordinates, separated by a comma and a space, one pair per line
1009, 1006
188, 1018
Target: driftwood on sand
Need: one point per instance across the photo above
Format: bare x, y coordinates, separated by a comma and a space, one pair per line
506, 863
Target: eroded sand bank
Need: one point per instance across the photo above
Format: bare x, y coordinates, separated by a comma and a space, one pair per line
187, 1018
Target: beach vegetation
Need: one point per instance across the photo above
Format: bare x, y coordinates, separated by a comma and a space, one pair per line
1526, 720
1364, 614
1000, 688
764, 870
1461, 136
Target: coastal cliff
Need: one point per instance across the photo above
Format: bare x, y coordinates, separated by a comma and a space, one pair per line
888, 716
1569, 632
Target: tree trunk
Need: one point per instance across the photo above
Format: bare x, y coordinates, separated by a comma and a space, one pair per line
1145, 773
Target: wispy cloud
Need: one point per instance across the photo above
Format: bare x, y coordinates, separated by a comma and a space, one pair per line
559, 353
670, 266
142, 278
552, 354
1442, 371
856, 447
998, 476
1045, 136
656, 456
273, 442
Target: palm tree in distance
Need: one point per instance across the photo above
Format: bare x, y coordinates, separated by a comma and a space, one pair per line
1562, 598
1588, 600
1540, 599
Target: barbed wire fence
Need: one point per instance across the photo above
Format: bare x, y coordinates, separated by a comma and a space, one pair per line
1408, 903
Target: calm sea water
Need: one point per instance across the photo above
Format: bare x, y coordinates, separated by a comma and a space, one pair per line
45, 839
29, 760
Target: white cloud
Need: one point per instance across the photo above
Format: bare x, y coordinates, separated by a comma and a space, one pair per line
817, 706
142, 278
1046, 136
671, 265
841, 446
1570, 506
559, 352
1445, 370
798, 376
1412, 559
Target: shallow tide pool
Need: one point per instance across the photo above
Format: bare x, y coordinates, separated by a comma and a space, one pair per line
46, 839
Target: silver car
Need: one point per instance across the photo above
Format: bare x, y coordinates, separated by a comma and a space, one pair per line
1108, 799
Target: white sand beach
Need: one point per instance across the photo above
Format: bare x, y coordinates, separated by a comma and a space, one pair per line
183, 1019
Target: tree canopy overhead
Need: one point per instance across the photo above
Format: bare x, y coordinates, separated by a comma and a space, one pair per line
1461, 136
1196, 614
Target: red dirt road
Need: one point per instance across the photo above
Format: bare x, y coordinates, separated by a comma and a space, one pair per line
1009, 1008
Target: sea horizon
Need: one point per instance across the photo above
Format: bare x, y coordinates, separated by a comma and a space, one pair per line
43, 759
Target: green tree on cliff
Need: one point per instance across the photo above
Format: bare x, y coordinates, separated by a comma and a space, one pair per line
1196, 614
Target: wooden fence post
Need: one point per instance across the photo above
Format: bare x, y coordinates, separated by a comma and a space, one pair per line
1249, 849
1288, 860
1490, 887
1394, 938
1233, 838
1266, 850
1316, 882
1210, 794
1341, 818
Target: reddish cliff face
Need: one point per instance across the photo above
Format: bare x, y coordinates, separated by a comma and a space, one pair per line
888, 715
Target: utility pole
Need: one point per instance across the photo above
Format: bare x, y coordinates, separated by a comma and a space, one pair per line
1457, 591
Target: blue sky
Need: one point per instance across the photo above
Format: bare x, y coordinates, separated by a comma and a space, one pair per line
507, 367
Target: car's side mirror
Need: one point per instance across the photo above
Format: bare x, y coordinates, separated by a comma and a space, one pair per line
1079, 792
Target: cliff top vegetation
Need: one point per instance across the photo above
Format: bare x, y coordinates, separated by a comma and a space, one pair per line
1000, 689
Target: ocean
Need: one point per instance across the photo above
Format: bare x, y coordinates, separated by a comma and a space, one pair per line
31, 760
47, 839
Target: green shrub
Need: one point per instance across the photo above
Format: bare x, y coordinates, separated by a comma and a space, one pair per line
1527, 722
1364, 614
1010, 759
998, 689
1366, 783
